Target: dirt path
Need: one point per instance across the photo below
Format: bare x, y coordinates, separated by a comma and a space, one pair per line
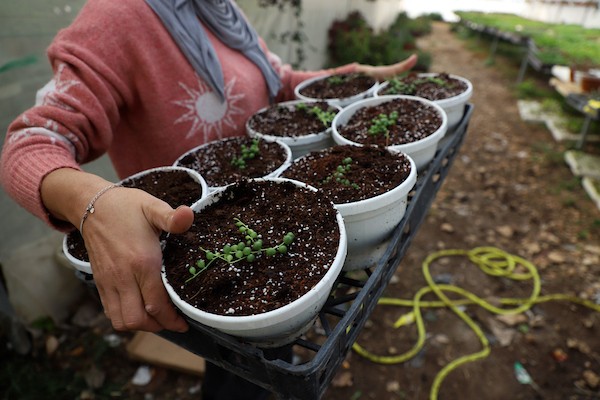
509, 188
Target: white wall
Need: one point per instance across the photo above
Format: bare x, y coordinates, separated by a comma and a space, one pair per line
317, 17
555, 12
446, 8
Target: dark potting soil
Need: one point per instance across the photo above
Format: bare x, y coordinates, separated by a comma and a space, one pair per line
174, 187
351, 173
214, 161
339, 86
292, 120
269, 282
415, 121
435, 87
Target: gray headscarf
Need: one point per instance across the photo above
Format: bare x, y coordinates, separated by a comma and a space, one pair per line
180, 17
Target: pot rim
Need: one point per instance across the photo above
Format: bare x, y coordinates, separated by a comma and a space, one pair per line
293, 140
340, 101
381, 200
276, 172
459, 98
281, 314
405, 147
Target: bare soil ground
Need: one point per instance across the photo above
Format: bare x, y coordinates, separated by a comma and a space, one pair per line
508, 188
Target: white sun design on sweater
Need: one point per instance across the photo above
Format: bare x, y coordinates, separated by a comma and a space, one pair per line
60, 87
206, 112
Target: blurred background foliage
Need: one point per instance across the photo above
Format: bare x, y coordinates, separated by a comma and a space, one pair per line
353, 40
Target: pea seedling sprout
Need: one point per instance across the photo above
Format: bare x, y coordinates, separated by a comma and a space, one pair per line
397, 85
326, 117
247, 153
336, 80
382, 123
339, 175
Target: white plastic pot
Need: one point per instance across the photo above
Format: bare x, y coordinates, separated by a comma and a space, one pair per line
421, 151
339, 102
80, 265
279, 326
299, 145
454, 106
370, 222
274, 173
85, 266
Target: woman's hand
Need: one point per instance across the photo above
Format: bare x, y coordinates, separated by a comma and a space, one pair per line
384, 72
122, 239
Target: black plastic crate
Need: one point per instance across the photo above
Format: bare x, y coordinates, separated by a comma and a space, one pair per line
353, 298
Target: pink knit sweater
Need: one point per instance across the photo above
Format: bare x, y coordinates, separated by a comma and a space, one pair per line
122, 86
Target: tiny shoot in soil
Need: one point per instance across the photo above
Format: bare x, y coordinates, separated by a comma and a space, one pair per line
336, 80
399, 86
247, 153
326, 117
396, 86
339, 175
382, 123
248, 250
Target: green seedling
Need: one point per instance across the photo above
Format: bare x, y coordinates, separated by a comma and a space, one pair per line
398, 86
335, 80
381, 124
326, 117
339, 175
247, 153
249, 249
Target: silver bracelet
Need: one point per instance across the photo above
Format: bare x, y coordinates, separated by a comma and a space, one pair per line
90, 207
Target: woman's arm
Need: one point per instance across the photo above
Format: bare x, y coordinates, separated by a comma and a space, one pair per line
384, 72
75, 122
122, 238
291, 78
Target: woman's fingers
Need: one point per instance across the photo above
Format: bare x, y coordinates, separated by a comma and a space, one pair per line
124, 248
387, 71
157, 305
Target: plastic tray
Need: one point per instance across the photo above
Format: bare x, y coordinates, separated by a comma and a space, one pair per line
340, 321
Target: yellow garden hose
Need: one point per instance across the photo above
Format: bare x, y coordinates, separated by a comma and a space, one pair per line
491, 261
592, 107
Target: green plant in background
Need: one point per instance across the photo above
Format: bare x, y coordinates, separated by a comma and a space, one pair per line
353, 40
545, 153
550, 105
570, 45
435, 16
569, 119
48, 376
339, 175
529, 89
560, 44
247, 153
44, 324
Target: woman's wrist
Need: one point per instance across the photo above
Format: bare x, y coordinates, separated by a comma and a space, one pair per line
66, 193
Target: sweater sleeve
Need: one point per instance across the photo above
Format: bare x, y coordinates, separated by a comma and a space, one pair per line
73, 120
